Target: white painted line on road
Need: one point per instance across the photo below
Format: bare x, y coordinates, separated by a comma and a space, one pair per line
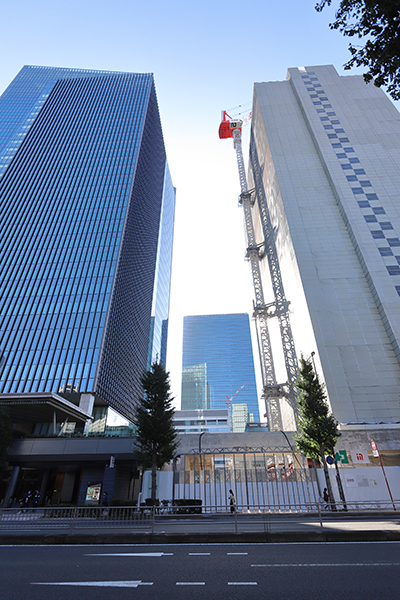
242, 582
199, 553
145, 554
121, 584
237, 553
190, 583
329, 565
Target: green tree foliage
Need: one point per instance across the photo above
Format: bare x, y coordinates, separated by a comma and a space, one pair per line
156, 436
317, 428
377, 24
5, 437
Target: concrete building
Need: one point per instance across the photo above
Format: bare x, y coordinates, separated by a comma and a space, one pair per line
196, 421
324, 162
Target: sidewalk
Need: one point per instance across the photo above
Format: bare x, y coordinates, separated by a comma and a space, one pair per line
220, 529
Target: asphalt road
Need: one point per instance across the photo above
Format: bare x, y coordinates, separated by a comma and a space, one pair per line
214, 572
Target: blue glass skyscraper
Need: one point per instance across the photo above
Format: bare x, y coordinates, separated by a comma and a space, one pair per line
86, 224
220, 347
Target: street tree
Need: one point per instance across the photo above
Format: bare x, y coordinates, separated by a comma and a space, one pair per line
377, 25
317, 428
6, 437
156, 436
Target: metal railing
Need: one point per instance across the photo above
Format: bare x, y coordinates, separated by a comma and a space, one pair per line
197, 519
73, 518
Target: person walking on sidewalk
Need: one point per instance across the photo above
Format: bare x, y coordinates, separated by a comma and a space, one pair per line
232, 501
326, 499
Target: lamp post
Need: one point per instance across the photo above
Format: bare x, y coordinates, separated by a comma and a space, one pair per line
313, 362
201, 466
200, 436
290, 446
314, 464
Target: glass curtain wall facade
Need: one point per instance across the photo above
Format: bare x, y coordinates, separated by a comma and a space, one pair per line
162, 281
223, 344
195, 388
87, 212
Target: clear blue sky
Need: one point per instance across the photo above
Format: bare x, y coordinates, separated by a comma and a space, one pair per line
205, 57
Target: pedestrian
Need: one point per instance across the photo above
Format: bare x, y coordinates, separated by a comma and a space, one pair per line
36, 499
27, 500
105, 504
326, 498
232, 501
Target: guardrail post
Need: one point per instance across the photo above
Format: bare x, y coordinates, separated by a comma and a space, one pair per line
74, 517
320, 516
236, 523
153, 515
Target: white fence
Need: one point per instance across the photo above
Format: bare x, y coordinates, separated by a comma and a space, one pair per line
273, 487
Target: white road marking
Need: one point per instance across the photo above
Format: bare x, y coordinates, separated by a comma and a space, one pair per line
190, 583
121, 584
199, 553
330, 565
145, 554
242, 582
237, 553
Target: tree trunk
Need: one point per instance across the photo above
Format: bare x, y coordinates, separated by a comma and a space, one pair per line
327, 478
153, 477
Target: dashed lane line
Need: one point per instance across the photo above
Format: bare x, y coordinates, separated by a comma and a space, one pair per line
286, 565
190, 583
242, 582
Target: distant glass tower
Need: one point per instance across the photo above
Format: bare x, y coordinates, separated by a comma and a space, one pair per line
87, 216
221, 344
195, 388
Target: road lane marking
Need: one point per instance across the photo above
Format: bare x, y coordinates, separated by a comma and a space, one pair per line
190, 583
145, 554
328, 565
242, 582
121, 584
237, 553
199, 553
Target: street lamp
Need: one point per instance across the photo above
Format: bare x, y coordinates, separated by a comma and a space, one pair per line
200, 436
313, 362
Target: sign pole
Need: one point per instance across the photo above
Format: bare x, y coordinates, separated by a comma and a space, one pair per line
375, 452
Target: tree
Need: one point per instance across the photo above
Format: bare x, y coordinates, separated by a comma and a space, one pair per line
378, 23
317, 428
156, 436
6, 437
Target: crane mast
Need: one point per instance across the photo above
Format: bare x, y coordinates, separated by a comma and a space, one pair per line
272, 391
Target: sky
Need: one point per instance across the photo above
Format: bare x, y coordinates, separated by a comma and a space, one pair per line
205, 58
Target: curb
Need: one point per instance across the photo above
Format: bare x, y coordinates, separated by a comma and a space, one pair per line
200, 538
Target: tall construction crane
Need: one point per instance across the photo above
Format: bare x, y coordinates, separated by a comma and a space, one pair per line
273, 392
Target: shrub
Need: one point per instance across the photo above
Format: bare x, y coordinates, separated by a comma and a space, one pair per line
192, 506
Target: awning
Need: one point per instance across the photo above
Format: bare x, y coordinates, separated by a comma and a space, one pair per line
42, 408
